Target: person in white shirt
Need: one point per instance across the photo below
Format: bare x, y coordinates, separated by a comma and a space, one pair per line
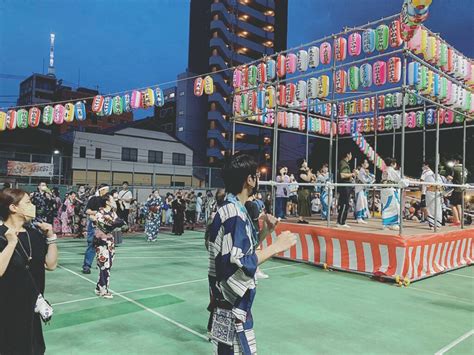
316, 204
433, 202
124, 198
390, 196
361, 204
198, 207
293, 197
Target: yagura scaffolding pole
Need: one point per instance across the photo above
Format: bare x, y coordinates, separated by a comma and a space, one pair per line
402, 159
333, 93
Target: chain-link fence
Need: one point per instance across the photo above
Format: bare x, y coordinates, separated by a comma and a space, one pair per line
68, 173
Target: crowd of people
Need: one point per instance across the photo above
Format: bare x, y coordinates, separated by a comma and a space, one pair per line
308, 194
235, 220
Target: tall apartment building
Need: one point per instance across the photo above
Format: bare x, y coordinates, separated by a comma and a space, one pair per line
223, 34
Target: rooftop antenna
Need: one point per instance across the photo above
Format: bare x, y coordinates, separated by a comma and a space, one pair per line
51, 69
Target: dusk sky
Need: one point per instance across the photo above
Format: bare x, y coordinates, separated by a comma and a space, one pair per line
122, 44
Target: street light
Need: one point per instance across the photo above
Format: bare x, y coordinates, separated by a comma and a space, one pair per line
57, 152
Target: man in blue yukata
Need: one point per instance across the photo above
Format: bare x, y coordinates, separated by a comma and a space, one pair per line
233, 259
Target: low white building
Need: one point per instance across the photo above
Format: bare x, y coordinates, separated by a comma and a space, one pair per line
141, 157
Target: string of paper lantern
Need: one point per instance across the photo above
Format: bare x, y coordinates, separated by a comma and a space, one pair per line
368, 151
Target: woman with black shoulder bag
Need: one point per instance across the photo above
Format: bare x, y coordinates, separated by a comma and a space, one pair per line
25, 253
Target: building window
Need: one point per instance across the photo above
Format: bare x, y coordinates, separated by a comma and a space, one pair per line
155, 157
98, 153
181, 93
82, 152
179, 159
172, 95
177, 183
129, 154
181, 113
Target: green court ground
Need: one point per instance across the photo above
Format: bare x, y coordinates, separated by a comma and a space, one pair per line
161, 297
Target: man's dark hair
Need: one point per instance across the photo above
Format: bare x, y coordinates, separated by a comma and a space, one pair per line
388, 161
199, 194
42, 181
345, 153
102, 185
236, 171
125, 182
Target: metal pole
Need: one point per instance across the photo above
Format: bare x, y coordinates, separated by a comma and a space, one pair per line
275, 149
133, 175
210, 178
87, 171
463, 206
233, 136
435, 217
376, 113
331, 137
307, 126
424, 131
111, 174
154, 176
60, 168
29, 177
402, 160
393, 142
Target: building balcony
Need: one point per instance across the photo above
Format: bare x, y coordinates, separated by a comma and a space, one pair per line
219, 100
220, 45
217, 136
217, 117
215, 153
219, 62
268, 4
220, 83
257, 15
230, 20
218, 25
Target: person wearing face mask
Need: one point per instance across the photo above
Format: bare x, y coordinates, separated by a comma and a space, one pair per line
152, 211
361, 204
233, 260
25, 254
106, 221
44, 202
93, 205
178, 206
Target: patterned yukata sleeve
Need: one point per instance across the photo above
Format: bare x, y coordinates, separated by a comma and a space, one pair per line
237, 263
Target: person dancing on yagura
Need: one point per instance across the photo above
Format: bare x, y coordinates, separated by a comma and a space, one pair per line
390, 196
433, 197
324, 177
233, 259
362, 205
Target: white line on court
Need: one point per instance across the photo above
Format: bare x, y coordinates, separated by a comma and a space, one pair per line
153, 287
158, 314
131, 291
143, 257
455, 342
